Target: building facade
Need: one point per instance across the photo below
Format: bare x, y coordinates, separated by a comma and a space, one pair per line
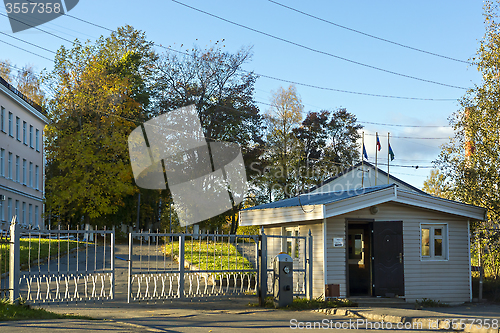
22, 124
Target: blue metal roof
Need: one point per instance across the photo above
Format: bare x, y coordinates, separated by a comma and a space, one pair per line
320, 198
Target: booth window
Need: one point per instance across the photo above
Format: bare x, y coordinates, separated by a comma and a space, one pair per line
434, 242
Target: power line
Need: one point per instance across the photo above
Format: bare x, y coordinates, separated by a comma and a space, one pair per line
316, 50
18, 47
24, 41
260, 75
35, 27
399, 125
369, 35
406, 137
354, 92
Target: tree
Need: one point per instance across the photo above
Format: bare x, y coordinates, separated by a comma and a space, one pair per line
437, 185
29, 84
212, 80
5, 70
328, 141
471, 160
283, 117
100, 96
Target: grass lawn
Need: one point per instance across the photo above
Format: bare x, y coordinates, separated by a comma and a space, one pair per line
210, 255
39, 250
25, 312
305, 304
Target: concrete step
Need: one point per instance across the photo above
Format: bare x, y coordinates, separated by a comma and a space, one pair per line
385, 302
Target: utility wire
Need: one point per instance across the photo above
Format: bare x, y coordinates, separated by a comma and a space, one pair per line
35, 27
316, 50
41, 56
354, 92
399, 125
260, 75
24, 41
368, 35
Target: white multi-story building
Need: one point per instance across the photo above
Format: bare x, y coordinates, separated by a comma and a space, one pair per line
21, 158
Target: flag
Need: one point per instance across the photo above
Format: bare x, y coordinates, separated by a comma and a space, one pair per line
365, 155
379, 146
391, 153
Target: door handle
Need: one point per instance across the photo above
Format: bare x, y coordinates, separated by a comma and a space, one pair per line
400, 256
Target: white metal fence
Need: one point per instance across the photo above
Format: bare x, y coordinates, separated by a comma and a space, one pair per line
70, 266
169, 266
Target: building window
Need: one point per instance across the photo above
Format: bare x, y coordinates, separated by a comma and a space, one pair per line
10, 125
24, 171
2, 163
31, 136
30, 214
1, 211
36, 216
18, 129
9, 210
2, 119
36, 177
17, 169
9, 167
17, 211
434, 241
30, 175
37, 140
24, 213
24, 133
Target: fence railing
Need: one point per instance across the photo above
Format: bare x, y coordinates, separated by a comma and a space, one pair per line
166, 266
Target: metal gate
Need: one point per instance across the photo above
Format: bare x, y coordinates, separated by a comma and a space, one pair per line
66, 266
168, 266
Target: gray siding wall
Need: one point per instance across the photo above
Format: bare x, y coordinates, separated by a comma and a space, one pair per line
274, 247
447, 281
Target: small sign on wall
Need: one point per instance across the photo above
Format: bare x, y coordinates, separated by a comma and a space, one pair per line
338, 242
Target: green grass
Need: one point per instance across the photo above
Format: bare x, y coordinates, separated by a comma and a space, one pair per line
430, 303
23, 311
32, 255
305, 304
211, 255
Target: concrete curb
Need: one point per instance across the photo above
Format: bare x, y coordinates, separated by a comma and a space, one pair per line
435, 323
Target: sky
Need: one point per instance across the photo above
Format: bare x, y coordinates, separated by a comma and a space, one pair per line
332, 66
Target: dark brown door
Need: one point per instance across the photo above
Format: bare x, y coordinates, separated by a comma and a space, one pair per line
388, 273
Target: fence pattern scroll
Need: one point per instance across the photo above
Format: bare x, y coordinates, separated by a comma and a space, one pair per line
66, 266
168, 266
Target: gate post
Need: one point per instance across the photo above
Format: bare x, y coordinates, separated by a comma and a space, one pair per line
112, 263
262, 274
309, 271
14, 265
129, 278
181, 265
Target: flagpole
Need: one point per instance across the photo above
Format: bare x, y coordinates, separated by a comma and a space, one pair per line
388, 145
362, 159
376, 157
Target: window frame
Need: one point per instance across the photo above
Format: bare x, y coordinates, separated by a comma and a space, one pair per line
11, 134
36, 176
18, 129
2, 119
2, 162
9, 166
30, 175
31, 136
25, 141
445, 243
37, 139
18, 177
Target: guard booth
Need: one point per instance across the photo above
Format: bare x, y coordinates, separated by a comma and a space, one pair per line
282, 280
